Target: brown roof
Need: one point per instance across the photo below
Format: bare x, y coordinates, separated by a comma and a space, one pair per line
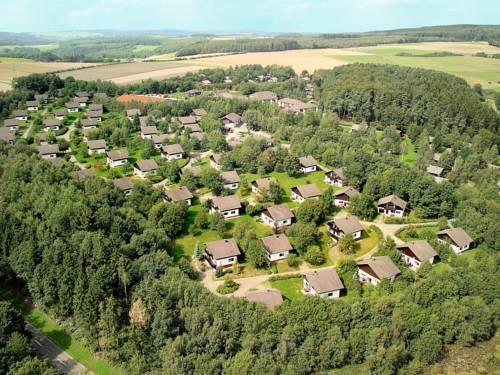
307, 191
307, 161
71, 105
277, 243
19, 113
223, 249
263, 95
94, 114
83, 173
51, 122
159, 138
97, 144
81, 99
194, 128
10, 122
132, 112
123, 183
216, 157
420, 248
7, 135
95, 107
88, 122
230, 177
339, 172
263, 183
227, 203
146, 165
186, 120
324, 280
233, 117
149, 130
382, 267
172, 149
269, 297
117, 154
199, 112
56, 162
60, 112
279, 212
457, 235
178, 194
48, 149
348, 224
348, 190
394, 199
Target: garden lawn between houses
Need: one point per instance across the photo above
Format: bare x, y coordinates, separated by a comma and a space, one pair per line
290, 288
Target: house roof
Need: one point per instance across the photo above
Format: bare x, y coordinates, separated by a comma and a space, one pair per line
56, 162
82, 94
117, 154
195, 170
339, 172
434, 169
269, 297
51, 122
324, 280
216, 157
82, 174
382, 267
172, 149
48, 149
97, 144
10, 122
348, 224
420, 248
230, 177
223, 248
263, 183
186, 120
146, 165
95, 107
123, 183
279, 212
7, 135
159, 138
233, 117
133, 111
178, 194
32, 103
41, 96
194, 128
60, 112
263, 95
394, 199
94, 114
88, 122
348, 190
80, 99
230, 202
71, 105
149, 130
277, 243
457, 235
199, 112
307, 161
307, 191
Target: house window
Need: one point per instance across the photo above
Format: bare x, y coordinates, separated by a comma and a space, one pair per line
330, 294
233, 212
282, 255
230, 259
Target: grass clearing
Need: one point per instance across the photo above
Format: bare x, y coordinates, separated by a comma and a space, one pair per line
58, 335
370, 238
290, 288
420, 231
410, 155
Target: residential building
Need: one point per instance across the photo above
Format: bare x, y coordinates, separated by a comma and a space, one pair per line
277, 247
268, 297
222, 253
72, 107
32, 105
187, 120
308, 164
115, 158
374, 269
131, 113
232, 119
60, 114
82, 94
228, 206
295, 105
278, 216
456, 238
180, 194
96, 107
392, 205
324, 283
12, 124
172, 152
345, 226
342, 197
302, 192
231, 180
52, 124
159, 140
192, 128
336, 177
7, 136
81, 100
41, 98
264, 96
88, 123
198, 113
97, 115
48, 151
416, 252
262, 184
194, 92
96, 147
215, 161
147, 132
145, 168
20, 114
124, 184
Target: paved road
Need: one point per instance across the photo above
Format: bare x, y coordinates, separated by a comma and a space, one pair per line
46, 349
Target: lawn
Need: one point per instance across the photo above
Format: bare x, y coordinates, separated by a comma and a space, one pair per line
421, 230
409, 156
58, 335
370, 238
291, 288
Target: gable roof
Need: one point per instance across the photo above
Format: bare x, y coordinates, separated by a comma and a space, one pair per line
348, 224
124, 183
194, 128
7, 135
230, 177
434, 169
95, 107
94, 114
277, 243
82, 174
149, 130
19, 112
339, 172
146, 165
199, 112
457, 235
71, 105
159, 138
233, 117
60, 112
307, 191
230, 202
117, 154
88, 122
324, 280
263, 95
222, 249
420, 248
82, 94
347, 190
307, 161
32, 103
51, 122
178, 194
216, 157
263, 183
382, 267
48, 149
186, 120
10, 122
269, 297
80, 99
279, 212
394, 199
172, 149
97, 144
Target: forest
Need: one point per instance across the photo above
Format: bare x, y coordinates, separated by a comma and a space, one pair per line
106, 263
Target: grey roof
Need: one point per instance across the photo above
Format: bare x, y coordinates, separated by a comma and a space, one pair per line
263, 183
124, 183
80, 99
394, 199
277, 243
60, 112
308, 190
420, 248
149, 130
279, 212
10, 122
230, 177
7, 135
434, 169
132, 112
457, 235
233, 117
223, 248
359, 127
146, 165
269, 297
348, 224
97, 144
48, 149
172, 149
186, 120
94, 114
19, 112
51, 122
178, 194
382, 267
199, 112
71, 105
230, 202
117, 154
159, 138
263, 95
307, 161
88, 122
324, 280
95, 107
348, 190
83, 173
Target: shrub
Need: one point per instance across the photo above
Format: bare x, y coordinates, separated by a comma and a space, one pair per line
219, 272
293, 260
228, 286
314, 256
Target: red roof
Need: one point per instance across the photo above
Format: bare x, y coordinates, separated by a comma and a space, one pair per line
127, 98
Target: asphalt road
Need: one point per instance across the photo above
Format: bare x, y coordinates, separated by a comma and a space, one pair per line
46, 349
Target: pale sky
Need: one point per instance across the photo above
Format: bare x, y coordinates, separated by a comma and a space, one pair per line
242, 15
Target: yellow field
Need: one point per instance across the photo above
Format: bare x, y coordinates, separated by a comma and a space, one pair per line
454, 47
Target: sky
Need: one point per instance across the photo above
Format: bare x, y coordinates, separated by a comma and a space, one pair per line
242, 15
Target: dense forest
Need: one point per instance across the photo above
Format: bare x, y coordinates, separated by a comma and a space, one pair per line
106, 263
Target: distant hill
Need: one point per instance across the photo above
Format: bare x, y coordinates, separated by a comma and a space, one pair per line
22, 39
